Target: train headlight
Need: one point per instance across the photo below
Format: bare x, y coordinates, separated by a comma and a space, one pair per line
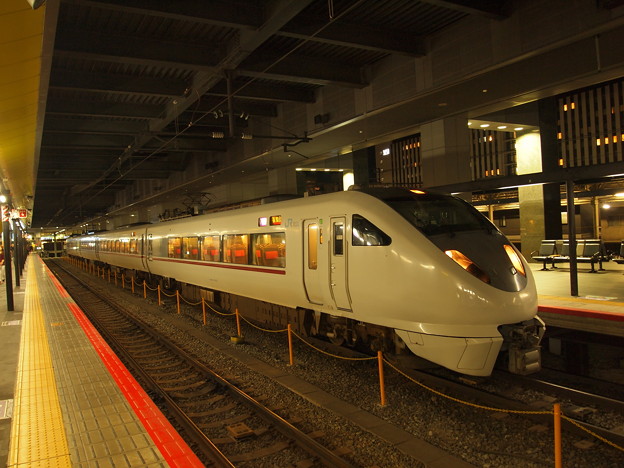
468, 265
515, 259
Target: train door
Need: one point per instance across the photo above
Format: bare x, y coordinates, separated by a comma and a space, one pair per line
312, 272
144, 250
96, 248
150, 250
338, 275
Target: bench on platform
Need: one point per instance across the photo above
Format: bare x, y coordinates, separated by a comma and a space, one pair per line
547, 250
590, 251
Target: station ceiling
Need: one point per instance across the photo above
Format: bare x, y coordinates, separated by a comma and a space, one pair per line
98, 94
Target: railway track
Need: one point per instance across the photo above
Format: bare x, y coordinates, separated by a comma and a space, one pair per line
224, 424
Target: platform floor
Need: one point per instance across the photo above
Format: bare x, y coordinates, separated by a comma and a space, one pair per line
67, 397
599, 306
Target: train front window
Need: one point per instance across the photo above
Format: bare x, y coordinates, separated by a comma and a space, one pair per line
366, 233
438, 214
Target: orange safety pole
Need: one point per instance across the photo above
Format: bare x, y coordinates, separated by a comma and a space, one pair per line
132, 282
557, 413
144, 290
238, 327
178, 299
109, 276
204, 310
159, 294
123, 281
115, 278
382, 386
290, 346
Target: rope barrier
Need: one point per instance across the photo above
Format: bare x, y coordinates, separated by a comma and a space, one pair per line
260, 328
190, 303
597, 436
458, 400
334, 355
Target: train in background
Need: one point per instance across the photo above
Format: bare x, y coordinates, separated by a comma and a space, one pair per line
387, 269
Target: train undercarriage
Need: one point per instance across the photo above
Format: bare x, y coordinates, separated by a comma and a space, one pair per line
520, 352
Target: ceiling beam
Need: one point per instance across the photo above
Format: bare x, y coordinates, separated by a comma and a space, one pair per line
264, 92
355, 36
219, 13
117, 83
302, 69
142, 50
493, 9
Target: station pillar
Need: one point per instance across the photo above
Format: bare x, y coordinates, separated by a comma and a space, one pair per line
445, 151
540, 205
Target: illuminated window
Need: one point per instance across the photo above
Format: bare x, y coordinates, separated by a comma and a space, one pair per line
190, 248
313, 246
269, 249
236, 248
174, 247
211, 249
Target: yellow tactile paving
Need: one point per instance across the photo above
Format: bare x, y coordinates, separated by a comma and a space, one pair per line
37, 433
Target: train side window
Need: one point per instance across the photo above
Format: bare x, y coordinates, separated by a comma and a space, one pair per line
211, 250
190, 248
313, 237
174, 247
366, 233
269, 249
133, 246
338, 239
236, 248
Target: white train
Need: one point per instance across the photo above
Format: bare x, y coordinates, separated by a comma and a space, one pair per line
389, 269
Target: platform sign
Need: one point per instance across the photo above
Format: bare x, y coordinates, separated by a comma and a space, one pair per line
22, 213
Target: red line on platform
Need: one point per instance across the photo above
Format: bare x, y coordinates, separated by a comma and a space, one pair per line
582, 313
173, 448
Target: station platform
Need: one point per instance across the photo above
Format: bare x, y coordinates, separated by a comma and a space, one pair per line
65, 398
599, 306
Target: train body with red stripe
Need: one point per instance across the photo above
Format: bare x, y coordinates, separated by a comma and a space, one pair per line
392, 269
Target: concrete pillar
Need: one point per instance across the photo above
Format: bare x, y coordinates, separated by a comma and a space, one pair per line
531, 198
445, 151
540, 206
364, 167
282, 181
